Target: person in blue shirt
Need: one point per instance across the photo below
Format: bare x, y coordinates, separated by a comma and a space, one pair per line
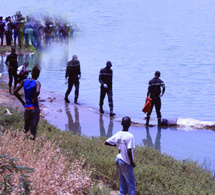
31, 105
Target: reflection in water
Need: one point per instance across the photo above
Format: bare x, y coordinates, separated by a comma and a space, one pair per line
148, 141
102, 129
72, 126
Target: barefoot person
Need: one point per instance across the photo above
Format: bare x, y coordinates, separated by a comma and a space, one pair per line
125, 142
32, 111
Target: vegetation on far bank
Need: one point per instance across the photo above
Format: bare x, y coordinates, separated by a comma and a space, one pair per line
155, 173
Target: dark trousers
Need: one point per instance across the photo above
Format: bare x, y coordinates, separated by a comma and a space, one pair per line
2, 37
71, 82
156, 101
17, 34
12, 74
32, 117
8, 37
109, 93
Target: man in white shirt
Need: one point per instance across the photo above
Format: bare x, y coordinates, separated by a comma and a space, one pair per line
125, 142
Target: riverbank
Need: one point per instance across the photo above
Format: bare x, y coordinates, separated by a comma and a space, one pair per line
6, 50
155, 172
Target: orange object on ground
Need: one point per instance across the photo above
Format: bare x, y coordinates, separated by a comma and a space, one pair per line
148, 105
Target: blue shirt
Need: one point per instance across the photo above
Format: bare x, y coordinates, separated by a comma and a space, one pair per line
30, 90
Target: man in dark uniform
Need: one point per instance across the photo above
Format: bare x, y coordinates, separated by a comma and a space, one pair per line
154, 91
2, 25
73, 71
105, 78
12, 63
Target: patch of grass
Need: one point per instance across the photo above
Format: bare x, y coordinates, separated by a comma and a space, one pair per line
155, 173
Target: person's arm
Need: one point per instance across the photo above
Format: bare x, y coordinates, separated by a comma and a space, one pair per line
148, 92
108, 144
38, 86
130, 157
17, 94
100, 78
6, 62
79, 71
163, 89
67, 72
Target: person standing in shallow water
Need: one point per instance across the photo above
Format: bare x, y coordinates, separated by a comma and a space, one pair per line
105, 78
12, 63
125, 142
73, 73
32, 110
154, 91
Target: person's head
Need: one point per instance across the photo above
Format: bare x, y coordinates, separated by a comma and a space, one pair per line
157, 74
26, 64
35, 72
13, 49
74, 57
126, 122
108, 64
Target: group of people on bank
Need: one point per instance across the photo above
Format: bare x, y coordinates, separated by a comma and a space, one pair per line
34, 31
123, 140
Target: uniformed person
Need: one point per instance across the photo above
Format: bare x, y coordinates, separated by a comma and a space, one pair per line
154, 92
73, 71
105, 78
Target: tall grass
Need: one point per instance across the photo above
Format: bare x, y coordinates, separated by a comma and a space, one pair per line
53, 174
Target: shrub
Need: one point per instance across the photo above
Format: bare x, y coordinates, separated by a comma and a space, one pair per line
53, 174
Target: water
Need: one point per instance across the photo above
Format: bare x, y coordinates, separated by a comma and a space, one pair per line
138, 37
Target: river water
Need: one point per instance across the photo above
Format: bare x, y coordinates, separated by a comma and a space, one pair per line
138, 37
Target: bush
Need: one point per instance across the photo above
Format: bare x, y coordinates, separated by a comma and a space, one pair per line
53, 174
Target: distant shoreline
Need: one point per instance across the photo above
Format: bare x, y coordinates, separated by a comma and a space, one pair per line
6, 50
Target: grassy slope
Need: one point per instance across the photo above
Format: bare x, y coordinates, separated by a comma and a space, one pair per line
155, 173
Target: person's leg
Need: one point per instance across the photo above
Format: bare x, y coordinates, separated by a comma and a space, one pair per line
128, 175
149, 113
158, 108
110, 101
27, 118
15, 78
20, 39
70, 85
15, 36
1, 36
102, 96
122, 182
35, 113
76, 90
10, 79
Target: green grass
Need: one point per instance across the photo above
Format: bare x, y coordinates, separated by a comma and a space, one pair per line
155, 173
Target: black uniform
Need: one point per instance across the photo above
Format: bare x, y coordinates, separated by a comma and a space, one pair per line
2, 25
154, 90
12, 59
72, 71
105, 77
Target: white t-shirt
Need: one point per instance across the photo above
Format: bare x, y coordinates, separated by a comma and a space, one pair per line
123, 140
